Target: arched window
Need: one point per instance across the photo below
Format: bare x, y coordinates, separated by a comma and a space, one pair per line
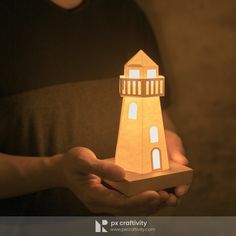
156, 159
154, 134
132, 114
134, 74
151, 73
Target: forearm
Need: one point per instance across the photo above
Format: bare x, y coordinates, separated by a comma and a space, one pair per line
22, 175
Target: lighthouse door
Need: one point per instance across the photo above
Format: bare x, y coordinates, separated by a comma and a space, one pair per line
156, 159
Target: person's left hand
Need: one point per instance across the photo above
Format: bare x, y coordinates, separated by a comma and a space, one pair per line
176, 153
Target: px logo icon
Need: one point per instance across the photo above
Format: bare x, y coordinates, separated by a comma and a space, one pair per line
99, 227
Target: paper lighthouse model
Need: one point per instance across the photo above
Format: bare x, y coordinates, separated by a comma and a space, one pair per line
141, 146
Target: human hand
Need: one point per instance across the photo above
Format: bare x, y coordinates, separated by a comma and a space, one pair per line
176, 153
80, 171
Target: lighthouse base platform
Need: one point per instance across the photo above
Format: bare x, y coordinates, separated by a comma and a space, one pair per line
135, 183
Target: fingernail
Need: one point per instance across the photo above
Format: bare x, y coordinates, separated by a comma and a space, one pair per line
164, 195
181, 192
172, 201
185, 161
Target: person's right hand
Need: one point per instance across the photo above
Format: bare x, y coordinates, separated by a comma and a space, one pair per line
81, 172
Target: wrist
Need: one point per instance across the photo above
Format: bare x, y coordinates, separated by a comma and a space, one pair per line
54, 171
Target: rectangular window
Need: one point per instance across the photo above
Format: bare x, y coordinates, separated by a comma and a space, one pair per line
153, 134
133, 107
134, 74
151, 74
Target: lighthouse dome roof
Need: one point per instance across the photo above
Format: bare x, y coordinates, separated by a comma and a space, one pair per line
141, 59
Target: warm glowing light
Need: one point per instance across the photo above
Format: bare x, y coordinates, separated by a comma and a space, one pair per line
134, 74
141, 144
156, 159
133, 107
151, 74
153, 134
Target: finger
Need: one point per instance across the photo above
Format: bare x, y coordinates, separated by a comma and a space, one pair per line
172, 201
157, 206
100, 199
181, 190
144, 203
175, 148
108, 170
179, 158
142, 198
174, 141
164, 195
157, 209
118, 204
89, 164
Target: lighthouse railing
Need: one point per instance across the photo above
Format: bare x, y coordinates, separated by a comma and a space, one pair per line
142, 87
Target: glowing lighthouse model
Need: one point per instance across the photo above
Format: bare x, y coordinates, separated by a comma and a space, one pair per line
141, 146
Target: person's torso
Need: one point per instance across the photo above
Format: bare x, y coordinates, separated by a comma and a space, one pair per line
59, 84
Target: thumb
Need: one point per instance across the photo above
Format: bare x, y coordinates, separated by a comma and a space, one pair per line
89, 164
175, 148
108, 170
179, 158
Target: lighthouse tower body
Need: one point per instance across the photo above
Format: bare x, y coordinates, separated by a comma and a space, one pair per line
141, 145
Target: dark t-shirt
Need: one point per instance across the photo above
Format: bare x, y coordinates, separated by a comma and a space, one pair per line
59, 84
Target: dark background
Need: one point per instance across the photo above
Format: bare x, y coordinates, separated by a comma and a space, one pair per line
198, 46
